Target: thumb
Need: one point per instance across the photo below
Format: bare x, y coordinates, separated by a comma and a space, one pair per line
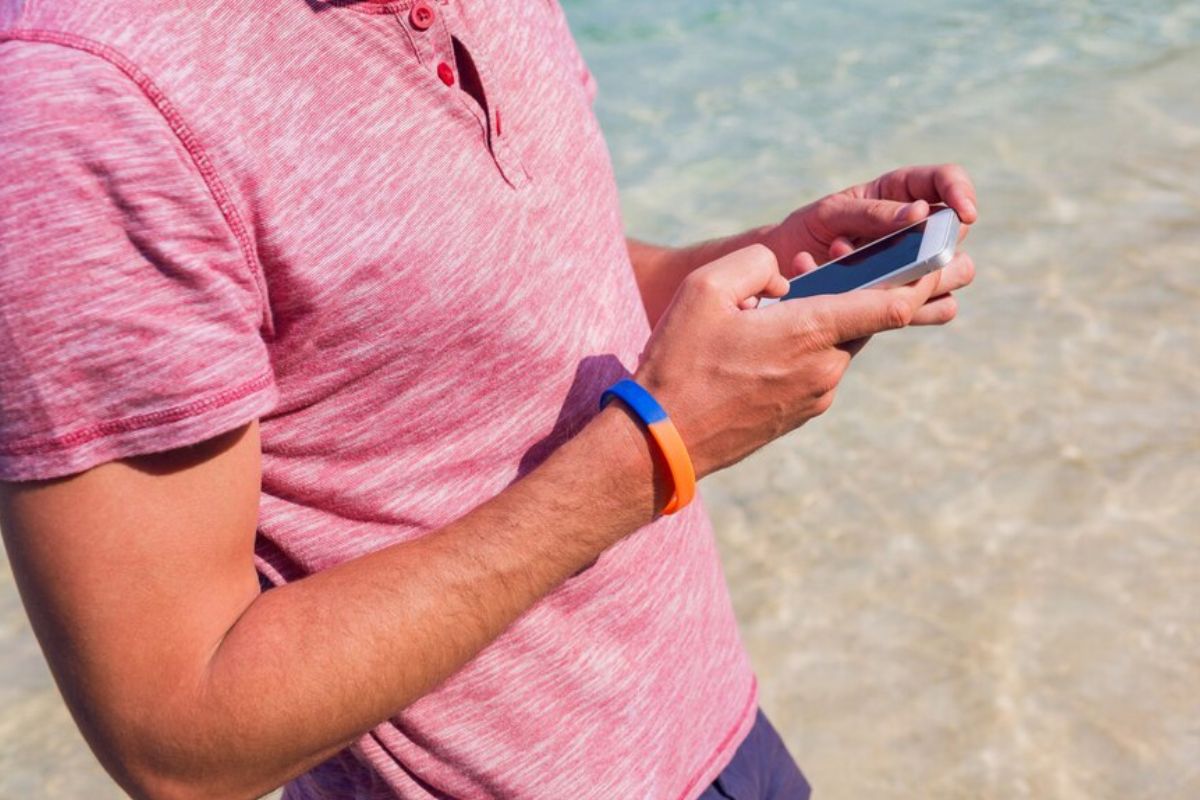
861, 219
742, 274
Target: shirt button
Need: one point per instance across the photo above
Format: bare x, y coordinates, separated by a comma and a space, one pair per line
421, 16
446, 73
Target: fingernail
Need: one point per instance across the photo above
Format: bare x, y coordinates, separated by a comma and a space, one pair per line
902, 212
969, 207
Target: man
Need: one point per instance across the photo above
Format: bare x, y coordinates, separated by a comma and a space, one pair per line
325, 295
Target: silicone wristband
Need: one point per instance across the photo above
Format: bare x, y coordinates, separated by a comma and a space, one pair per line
662, 430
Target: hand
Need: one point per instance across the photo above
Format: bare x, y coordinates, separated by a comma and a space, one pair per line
732, 378
870, 210
837, 224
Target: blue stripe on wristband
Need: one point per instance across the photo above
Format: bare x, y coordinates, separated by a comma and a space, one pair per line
670, 444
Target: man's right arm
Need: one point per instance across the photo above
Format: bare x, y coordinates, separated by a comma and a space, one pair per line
189, 682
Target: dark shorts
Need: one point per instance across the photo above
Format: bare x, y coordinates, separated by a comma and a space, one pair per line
762, 769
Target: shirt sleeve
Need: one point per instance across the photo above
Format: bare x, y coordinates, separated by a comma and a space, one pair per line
130, 315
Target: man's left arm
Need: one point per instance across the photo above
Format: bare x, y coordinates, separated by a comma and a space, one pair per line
827, 228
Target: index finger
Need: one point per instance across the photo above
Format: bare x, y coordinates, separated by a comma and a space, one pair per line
742, 274
941, 183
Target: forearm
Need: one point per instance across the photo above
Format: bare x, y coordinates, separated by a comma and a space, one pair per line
660, 270
312, 665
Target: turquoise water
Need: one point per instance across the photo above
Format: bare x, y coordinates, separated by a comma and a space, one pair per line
741, 108
978, 576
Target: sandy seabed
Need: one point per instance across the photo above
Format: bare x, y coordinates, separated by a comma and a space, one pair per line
979, 575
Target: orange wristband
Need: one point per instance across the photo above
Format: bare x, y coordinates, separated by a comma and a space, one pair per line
665, 435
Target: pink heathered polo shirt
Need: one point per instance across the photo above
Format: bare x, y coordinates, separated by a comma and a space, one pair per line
292, 211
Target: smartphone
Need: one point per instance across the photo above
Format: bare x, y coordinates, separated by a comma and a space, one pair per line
894, 260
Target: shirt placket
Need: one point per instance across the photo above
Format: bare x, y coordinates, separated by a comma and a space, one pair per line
430, 26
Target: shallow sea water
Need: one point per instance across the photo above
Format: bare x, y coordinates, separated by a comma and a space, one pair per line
979, 575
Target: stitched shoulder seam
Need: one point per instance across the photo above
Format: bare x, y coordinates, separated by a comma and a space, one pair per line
181, 130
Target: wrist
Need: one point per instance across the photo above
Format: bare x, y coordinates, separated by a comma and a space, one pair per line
670, 451
637, 471
624, 477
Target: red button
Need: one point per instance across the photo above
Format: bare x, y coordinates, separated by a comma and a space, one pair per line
446, 73
421, 16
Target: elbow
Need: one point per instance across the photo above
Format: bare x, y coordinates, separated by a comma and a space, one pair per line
150, 773
177, 747
152, 786
143, 783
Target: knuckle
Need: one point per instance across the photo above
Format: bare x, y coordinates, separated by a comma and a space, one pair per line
957, 173
812, 328
827, 377
898, 314
968, 269
702, 281
823, 403
884, 210
829, 205
762, 256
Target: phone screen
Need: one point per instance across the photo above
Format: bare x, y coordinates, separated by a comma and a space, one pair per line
862, 266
